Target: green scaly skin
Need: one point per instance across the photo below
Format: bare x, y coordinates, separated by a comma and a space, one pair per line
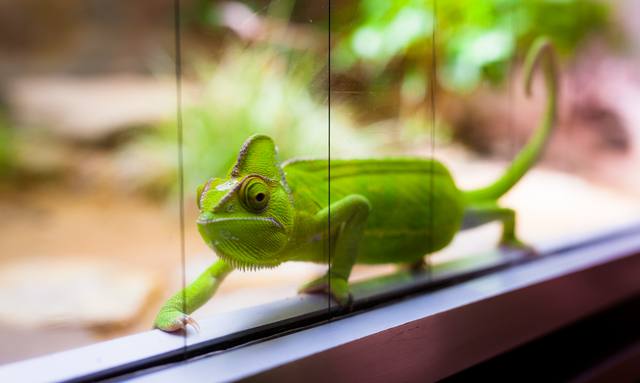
393, 210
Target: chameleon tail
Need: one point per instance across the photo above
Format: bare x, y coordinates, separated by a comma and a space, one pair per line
541, 52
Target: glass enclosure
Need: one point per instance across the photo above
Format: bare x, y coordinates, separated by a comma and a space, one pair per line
116, 119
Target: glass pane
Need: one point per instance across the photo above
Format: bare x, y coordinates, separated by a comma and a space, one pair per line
86, 228
254, 81
382, 67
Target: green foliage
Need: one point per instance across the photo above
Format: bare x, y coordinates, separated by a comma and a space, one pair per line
385, 30
475, 39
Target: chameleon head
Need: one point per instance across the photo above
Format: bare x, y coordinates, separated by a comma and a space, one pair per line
247, 217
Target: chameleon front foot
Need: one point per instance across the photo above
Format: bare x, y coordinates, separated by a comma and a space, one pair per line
171, 321
337, 288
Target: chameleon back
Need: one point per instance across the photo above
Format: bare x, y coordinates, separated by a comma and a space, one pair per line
416, 207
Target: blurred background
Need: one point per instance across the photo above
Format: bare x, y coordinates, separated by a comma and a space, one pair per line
89, 224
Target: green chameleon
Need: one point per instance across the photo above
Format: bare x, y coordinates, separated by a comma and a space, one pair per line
371, 211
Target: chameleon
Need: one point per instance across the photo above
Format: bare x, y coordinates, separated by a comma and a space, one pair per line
346, 211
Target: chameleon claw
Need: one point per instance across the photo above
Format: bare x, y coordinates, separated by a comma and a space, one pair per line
189, 321
345, 302
174, 321
348, 303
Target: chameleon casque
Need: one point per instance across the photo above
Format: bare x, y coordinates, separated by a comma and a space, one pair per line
372, 211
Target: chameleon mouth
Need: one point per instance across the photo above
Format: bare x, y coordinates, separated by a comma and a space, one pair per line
207, 221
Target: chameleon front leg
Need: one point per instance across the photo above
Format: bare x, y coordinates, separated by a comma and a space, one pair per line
171, 316
479, 214
349, 215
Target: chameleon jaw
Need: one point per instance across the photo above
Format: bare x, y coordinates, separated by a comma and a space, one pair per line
246, 243
245, 265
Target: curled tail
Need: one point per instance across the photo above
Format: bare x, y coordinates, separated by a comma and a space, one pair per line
541, 52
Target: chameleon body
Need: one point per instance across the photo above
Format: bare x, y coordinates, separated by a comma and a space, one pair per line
393, 210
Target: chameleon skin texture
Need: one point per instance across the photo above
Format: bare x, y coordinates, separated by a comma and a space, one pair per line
390, 210
415, 207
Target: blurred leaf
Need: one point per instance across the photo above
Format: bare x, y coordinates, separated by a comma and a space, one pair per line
472, 52
476, 38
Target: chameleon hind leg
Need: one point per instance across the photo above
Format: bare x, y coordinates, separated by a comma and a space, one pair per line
480, 214
349, 215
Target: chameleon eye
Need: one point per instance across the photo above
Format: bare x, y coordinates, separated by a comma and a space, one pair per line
255, 194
